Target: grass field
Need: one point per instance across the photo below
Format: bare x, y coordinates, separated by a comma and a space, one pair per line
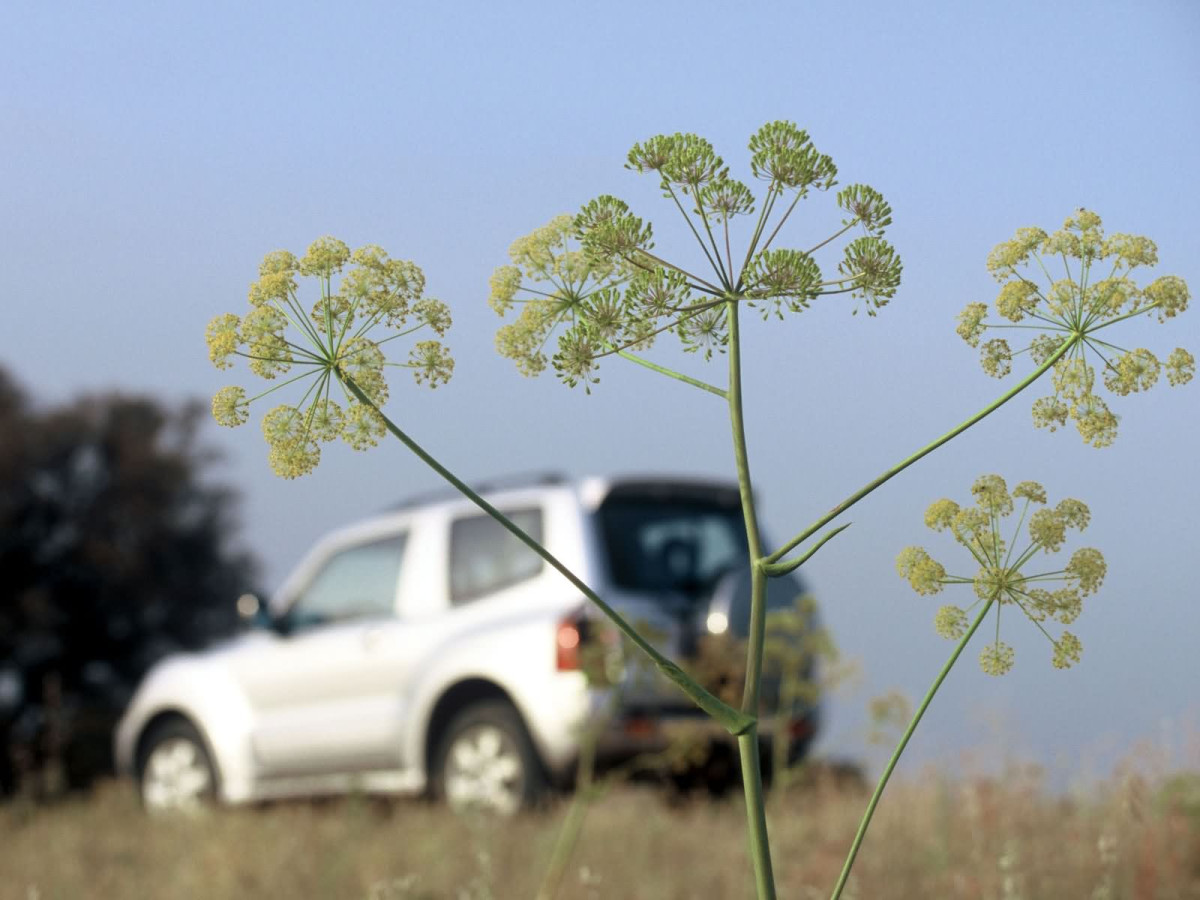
933, 837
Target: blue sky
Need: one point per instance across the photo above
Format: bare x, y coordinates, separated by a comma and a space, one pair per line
153, 154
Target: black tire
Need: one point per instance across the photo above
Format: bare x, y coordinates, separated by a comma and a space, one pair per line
174, 770
486, 761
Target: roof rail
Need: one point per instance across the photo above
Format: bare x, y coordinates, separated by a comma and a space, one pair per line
503, 482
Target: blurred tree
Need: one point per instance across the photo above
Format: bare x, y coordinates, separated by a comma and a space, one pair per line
114, 550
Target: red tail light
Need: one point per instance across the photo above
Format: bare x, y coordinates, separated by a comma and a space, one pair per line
567, 639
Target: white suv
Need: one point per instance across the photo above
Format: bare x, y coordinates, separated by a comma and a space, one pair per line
426, 650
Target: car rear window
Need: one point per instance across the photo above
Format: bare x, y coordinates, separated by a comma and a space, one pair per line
656, 544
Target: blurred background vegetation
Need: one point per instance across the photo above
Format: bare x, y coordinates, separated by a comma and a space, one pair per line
116, 548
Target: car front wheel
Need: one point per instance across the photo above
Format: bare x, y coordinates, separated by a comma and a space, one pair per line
485, 761
175, 773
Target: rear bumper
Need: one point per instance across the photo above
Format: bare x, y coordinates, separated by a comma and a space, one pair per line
640, 741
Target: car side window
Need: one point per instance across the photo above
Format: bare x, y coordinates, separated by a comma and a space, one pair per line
357, 583
485, 556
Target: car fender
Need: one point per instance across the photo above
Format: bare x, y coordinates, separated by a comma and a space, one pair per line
518, 658
203, 691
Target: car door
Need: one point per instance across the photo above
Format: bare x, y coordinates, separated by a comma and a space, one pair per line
324, 691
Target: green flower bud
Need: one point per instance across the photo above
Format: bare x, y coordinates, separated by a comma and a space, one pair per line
575, 360
867, 207
783, 274
706, 332
723, 198
876, 270
784, 154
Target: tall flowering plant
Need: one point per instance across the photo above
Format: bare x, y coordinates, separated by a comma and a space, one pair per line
592, 286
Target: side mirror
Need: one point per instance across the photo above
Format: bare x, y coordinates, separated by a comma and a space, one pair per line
253, 613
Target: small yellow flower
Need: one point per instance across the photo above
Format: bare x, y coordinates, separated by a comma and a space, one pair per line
1181, 366
229, 407
924, 573
940, 514
223, 336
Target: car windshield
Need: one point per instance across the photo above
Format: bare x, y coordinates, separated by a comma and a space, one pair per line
682, 544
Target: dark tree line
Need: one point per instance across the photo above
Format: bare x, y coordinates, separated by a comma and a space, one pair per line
115, 549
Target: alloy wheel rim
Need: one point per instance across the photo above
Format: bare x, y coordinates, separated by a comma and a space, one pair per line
176, 777
484, 771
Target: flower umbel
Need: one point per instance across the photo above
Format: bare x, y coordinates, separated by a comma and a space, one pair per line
611, 294
331, 345
1094, 292
1000, 580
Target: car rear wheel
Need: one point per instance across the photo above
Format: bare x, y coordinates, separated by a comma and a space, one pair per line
486, 762
175, 773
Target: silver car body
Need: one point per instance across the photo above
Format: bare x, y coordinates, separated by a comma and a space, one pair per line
352, 705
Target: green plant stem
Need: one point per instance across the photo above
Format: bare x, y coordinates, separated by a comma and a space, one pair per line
756, 815
671, 373
774, 570
924, 451
716, 266
568, 836
748, 750
908, 733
